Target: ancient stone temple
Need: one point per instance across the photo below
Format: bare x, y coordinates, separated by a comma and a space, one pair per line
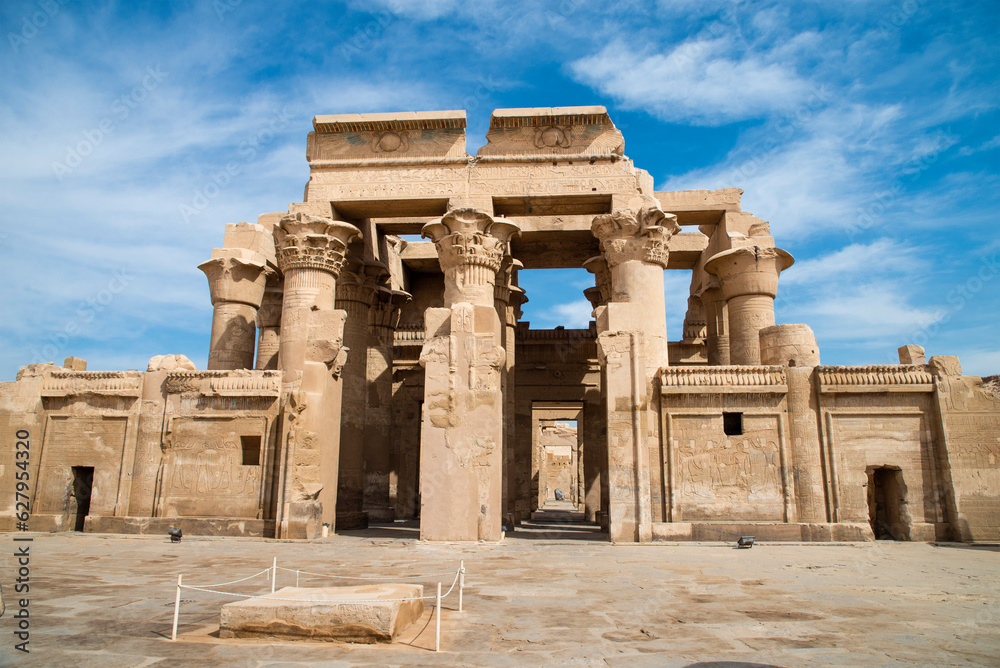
359, 374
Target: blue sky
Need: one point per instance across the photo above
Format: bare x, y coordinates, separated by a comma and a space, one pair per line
867, 134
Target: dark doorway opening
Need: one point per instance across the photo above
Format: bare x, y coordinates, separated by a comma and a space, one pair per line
83, 485
886, 494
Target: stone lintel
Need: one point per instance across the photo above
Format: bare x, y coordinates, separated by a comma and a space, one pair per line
552, 131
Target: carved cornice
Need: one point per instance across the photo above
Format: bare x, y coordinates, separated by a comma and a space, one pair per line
642, 235
721, 378
876, 378
469, 237
311, 242
111, 383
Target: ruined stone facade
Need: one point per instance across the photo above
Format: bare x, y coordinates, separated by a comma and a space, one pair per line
358, 377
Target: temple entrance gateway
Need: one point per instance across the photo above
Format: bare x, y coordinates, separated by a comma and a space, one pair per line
886, 498
369, 362
79, 500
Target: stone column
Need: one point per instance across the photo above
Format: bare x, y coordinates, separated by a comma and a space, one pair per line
269, 323
236, 279
381, 454
356, 291
504, 302
717, 319
748, 277
462, 432
310, 253
632, 347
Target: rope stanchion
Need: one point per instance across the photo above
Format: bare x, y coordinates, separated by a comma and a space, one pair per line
177, 608
296, 578
437, 630
461, 583
274, 567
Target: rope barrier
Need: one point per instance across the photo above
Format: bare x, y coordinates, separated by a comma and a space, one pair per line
360, 577
249, 577
269, 597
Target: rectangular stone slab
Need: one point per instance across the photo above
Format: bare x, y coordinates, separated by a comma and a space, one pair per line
362, 614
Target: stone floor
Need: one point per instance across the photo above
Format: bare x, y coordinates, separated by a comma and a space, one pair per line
553, 594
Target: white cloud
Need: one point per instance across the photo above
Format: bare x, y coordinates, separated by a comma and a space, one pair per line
573, 315
702, 81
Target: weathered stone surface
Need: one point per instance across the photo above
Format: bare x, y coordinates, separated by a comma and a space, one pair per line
360, 614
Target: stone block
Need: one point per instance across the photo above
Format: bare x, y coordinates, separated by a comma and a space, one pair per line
75, 364
361, 614
911, 354
945, 365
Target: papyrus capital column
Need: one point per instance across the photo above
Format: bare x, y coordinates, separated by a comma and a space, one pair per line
381, 454
748, 278
634, 245
461, 438
269, 322
716, 315
471, 245
311, 252
236, 280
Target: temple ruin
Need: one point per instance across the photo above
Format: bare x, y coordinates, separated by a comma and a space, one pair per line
357, 375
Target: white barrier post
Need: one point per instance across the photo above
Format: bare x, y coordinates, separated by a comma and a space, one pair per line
177, 607
296, 578
461, 584
437, 632
274, 573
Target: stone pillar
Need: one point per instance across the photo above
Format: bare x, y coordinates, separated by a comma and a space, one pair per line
462, 432
236, 281
695, 324
717, 321
507, 303
356, 291
269, 324
381, 453
794, 346
632, 347
310, 252
748, 277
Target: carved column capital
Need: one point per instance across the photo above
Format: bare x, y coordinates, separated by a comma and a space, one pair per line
311, 242
750, 270
471, 245
598, 266
235, 276
640, 235
384, 315
470, 237
359, 282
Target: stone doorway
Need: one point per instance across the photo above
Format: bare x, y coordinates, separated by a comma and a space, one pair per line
886, 503
559, 442
79, 500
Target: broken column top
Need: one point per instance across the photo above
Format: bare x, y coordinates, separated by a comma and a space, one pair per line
553, 130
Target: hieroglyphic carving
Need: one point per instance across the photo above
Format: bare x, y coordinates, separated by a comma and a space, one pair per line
728, 476
203, 470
